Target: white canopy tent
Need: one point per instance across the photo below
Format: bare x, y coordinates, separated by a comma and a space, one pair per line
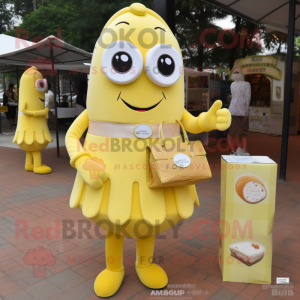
49, 55
273, 13
8, 45
65, 56
281, 15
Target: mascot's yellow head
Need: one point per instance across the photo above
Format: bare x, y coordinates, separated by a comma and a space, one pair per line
32, 89
136, 73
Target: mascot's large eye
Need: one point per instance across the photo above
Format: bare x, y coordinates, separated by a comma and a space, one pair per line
166, 65
163, 65
41, 85
122, 62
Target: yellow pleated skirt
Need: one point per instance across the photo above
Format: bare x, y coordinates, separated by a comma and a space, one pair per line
32, 133
124, 204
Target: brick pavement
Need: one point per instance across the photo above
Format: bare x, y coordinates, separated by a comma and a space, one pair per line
41, 201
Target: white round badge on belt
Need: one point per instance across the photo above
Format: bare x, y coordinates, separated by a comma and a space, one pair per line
182, 160
143, 131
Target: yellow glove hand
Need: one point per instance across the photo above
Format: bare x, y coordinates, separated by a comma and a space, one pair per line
216, 118
93, 172
46, 114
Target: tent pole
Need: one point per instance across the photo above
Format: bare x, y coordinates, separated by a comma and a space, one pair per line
3, 82
287, 90
166, 9
71, 90
58, 88
18, 82
55, 103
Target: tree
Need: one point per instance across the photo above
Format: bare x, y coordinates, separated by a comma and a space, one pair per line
23, 7
274, 40
6, 15
192, 17
45, 21
91, 16
205, 45
80, 21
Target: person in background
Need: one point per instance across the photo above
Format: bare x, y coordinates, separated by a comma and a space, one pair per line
49, 101
8, 97
49, 97
16, 93
81, 103
64, 102
81, 97
239, 109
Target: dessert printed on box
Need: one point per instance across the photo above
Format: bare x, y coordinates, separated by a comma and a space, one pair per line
251, 189
248, 252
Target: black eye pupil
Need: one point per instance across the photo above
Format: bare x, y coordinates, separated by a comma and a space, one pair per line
122, 62
166, 65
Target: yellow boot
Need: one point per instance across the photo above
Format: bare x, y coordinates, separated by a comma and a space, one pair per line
38, 167
109, 280
29, 162
150, 274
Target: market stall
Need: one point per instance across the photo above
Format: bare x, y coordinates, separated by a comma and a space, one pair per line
266, 76
49, 55
196, 88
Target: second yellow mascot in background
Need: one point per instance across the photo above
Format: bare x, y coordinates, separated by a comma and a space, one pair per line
32, 133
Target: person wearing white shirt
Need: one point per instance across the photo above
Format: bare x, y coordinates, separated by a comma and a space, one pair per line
239, 109
49, 97
49, 101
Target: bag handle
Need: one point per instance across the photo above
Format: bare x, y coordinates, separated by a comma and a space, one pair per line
186, 139
161, 134
162, 139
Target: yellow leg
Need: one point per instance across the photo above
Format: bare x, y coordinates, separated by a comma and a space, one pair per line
38, 168
109, 280
29, 162
150, 274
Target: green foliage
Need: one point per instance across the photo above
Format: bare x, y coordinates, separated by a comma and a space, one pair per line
80, 21
23, 7
192, 18
45, 21
274, 40
297, 46
6, 15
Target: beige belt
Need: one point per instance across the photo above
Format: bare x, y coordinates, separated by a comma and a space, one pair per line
122, 130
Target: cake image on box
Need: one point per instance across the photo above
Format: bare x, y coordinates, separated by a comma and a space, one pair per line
251, 189
248, 253
254, 192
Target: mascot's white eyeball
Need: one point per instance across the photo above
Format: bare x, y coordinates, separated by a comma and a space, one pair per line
122, 62
41, 85
163, 65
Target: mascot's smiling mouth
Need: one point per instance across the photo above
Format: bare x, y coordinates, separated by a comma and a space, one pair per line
141, 109
42, 100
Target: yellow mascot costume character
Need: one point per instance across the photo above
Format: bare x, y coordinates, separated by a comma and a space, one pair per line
136, 78
32, 133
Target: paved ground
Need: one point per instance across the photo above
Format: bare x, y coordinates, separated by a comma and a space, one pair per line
38, 202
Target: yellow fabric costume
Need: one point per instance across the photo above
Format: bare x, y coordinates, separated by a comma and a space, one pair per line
110, 186
32, 133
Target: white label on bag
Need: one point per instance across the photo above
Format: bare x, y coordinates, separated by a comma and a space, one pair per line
143, 131
182, 160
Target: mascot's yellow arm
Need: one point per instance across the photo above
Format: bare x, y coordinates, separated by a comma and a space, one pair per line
215, 118
76, 152
37, 113
192, 124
